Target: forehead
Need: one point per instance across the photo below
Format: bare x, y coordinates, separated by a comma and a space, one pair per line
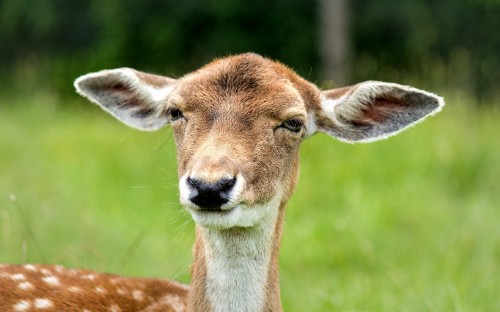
241, 83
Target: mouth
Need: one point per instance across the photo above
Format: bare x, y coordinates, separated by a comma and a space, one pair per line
211, 211
215, 218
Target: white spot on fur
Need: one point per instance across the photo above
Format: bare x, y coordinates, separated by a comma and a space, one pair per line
176, 303
23, 305
75, 289
18, 277
100, 290
114, 308
30, 267
72, 272
115, 281
25, 286
121, 291
51, 280
89, 277
138, 295
46, 272
43, 303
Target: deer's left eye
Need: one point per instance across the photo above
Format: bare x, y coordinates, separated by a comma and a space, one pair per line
293, 125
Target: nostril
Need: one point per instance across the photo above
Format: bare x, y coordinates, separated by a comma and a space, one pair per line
194, 183
210, 195
226, 184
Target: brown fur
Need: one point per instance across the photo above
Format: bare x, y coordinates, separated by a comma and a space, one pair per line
77, 290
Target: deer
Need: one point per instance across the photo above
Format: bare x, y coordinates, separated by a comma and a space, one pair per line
238, 123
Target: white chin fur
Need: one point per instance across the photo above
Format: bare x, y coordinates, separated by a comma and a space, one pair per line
239, 216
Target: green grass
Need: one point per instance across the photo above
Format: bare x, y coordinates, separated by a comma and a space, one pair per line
406, 224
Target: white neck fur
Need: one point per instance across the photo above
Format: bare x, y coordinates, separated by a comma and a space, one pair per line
238, 263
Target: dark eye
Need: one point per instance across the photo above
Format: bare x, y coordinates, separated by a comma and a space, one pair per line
175, 114
293, 125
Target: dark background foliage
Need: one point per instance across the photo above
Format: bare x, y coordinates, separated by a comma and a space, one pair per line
451, 44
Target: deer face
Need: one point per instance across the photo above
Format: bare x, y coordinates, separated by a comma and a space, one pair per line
237, 127
238, 123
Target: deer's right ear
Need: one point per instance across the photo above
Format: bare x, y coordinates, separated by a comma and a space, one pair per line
135, 98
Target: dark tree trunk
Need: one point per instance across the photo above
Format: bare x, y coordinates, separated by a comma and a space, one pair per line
334, 40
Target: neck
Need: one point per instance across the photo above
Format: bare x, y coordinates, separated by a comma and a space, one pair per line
237, 269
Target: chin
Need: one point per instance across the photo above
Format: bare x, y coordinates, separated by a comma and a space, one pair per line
239, 216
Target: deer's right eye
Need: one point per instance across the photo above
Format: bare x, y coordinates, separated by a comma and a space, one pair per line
175, 114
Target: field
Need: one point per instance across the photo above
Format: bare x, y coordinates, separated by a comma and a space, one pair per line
406, 224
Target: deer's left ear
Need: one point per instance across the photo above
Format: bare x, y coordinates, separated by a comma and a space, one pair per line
373, 110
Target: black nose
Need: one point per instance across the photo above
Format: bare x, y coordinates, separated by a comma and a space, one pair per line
210, 196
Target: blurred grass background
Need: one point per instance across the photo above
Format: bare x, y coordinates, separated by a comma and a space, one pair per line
406, 224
